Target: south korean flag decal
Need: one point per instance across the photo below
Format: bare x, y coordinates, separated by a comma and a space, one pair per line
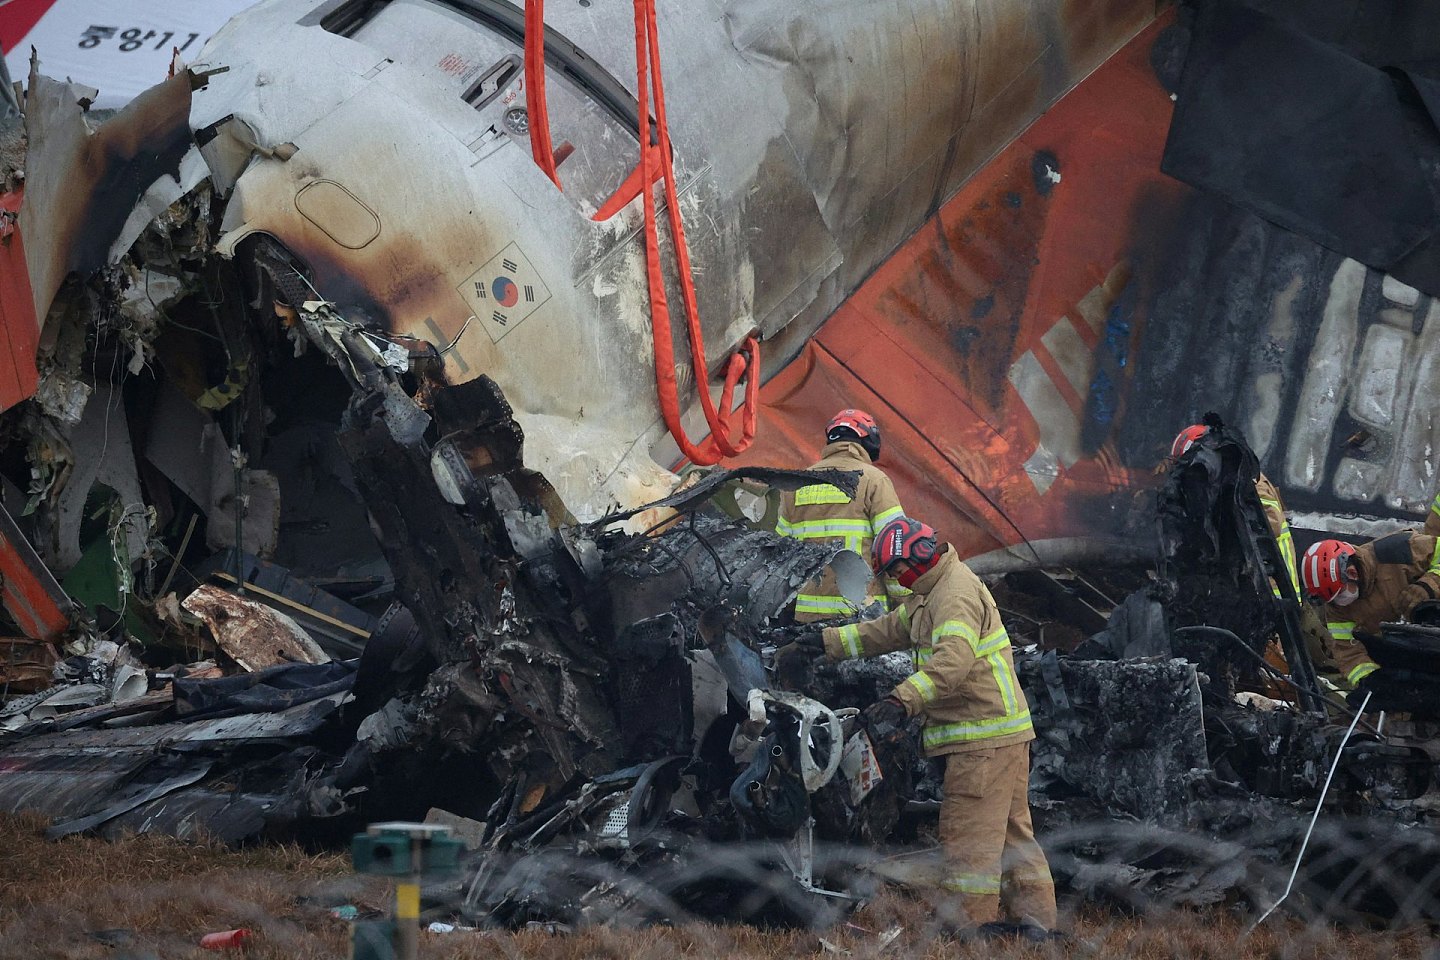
504, 291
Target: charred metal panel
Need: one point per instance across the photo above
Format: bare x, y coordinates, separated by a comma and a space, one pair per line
1120, 739
454, 568
89, 777
82, 183
790, 199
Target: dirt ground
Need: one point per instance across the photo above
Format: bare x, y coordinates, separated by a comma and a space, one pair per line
151, 898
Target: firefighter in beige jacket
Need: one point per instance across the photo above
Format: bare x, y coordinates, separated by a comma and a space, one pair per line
1362, 587
825, 513
975, 715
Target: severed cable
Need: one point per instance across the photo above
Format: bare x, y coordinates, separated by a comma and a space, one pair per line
1314, 818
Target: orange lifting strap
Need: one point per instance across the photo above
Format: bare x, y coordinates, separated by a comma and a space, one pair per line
656, 162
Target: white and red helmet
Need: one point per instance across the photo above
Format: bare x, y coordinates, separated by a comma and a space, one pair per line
1325, 569
855, 425
1186, 438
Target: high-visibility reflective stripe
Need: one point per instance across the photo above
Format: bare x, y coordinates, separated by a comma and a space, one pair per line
818, 603
1287, 553
923, 685
1005, 680
955, 628
827, 528
922, 655
1342, 629
877, 523
1286, 543
903, 612
979, 884
817, 493
854, 533
993, 643
850, 639
944, 734
1435, 507
1435, 558
815, 603
1361, 672
895, 591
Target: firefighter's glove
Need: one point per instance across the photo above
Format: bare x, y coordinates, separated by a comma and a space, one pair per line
886, 721
810, 638
1426, 613
1411, 597
793, 662
889, 712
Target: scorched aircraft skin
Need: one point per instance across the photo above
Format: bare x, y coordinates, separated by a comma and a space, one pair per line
810, 140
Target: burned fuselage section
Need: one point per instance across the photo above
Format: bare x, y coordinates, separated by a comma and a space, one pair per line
300, 564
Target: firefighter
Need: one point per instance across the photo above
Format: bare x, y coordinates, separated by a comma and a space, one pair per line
1269, 500
1362, 587
975, 716
1432, 519
826, 513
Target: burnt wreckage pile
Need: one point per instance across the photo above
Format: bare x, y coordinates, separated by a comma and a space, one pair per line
277, 577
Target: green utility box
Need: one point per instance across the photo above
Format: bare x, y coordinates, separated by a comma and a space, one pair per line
386, 855
386, 851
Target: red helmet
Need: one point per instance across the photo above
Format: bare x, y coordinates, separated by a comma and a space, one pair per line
1324, 568
855, 425
903, 539
1186, 439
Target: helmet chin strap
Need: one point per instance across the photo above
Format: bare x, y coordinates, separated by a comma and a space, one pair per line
914, 571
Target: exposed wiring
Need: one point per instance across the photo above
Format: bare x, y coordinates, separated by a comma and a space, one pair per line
392, 337
1314, 818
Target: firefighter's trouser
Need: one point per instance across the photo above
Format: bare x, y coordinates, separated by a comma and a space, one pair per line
991, 857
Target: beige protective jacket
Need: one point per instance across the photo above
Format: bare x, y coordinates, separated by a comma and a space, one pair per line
964, 681
825, 513
1280, 527
1387, 566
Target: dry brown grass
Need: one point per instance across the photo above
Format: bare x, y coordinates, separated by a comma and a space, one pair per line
59, 899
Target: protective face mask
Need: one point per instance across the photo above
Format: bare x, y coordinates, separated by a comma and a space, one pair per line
1347, 595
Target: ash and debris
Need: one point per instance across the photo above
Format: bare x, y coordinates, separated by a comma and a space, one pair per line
432, 631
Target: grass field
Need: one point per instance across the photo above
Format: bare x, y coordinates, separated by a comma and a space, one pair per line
145, 898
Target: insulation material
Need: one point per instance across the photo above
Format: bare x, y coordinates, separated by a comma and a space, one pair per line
254, 635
